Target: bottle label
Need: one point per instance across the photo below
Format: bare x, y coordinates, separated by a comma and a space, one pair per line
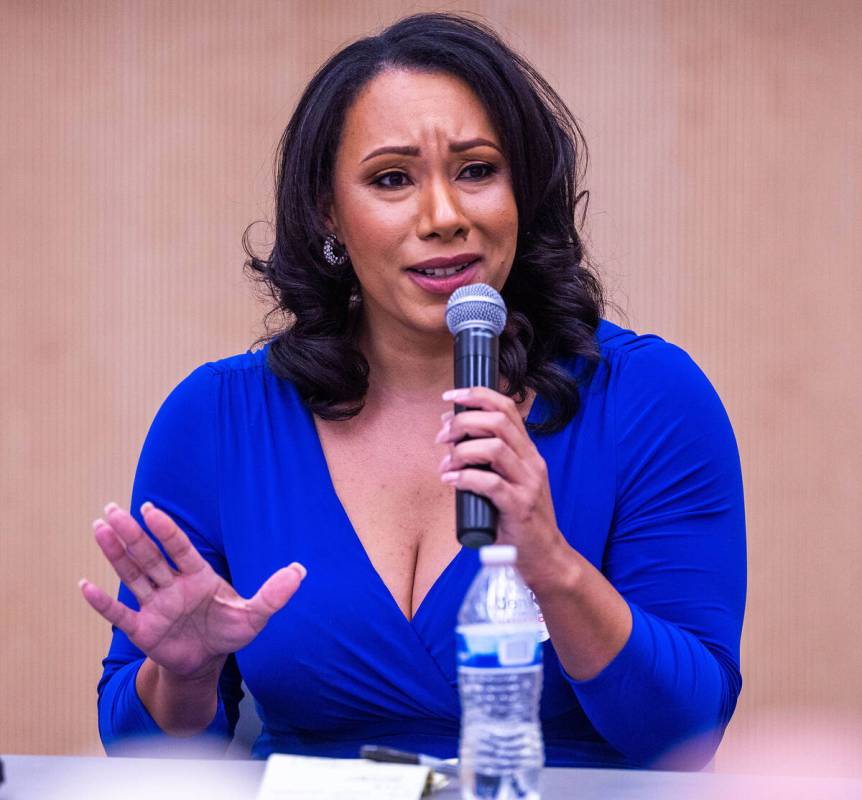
490, 646
544, 635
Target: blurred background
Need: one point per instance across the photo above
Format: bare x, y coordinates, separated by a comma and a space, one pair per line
137, 143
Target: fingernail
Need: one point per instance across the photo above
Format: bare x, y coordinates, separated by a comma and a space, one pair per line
446, 415
97, 523
300, 569
111, 507
455, 394
444, 434
450, 477
445, 461
145, 507
82, 583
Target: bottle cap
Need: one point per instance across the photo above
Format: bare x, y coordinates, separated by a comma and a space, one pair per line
498, 554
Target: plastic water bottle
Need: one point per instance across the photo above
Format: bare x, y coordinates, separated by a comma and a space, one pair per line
500, 681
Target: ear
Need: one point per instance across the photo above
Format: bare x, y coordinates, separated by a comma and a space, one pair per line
332, 225
330, 219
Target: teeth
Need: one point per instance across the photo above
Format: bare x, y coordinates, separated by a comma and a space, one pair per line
443, 273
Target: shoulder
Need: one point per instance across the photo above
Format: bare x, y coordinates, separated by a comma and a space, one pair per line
658, 392
651, 388
242, 373
251, 360
643, 364
622, 347
252, 363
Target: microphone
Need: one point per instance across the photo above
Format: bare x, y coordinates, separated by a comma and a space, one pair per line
476, 316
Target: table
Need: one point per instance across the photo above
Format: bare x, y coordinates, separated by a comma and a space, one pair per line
79, 777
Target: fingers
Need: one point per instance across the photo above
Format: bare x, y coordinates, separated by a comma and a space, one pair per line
112, 610
484, 425
139, 546
493, 452
488, 484
127, 570
495, 415
177, 544
484, 398
274, 593
492, 432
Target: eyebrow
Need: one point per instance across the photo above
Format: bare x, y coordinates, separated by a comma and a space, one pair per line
409, 150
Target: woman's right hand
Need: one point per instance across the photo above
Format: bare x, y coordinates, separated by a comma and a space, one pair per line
190, 618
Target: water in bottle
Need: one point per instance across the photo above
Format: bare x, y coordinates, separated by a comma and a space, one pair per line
500, 682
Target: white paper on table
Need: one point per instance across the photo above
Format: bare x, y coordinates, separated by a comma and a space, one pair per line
300, 777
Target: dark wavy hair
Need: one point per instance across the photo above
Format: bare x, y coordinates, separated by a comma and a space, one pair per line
554, 297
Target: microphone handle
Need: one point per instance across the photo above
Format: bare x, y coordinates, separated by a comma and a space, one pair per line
476, 364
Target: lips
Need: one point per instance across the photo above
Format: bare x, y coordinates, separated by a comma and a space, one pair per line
444, 284
443, 272
443, 267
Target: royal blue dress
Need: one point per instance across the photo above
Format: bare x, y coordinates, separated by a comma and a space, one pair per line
646, 484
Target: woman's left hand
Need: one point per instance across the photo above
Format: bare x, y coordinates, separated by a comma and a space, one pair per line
518, 483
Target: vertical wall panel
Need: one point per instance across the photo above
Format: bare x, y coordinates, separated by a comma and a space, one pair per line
137, 142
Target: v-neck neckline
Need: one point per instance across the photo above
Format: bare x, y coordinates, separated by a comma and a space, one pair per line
357, 542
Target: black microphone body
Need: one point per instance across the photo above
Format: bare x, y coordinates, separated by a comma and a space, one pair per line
477, 363
476, 316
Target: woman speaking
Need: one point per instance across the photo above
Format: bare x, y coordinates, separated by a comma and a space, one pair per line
417, 161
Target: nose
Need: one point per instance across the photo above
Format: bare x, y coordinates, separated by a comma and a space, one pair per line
441, 214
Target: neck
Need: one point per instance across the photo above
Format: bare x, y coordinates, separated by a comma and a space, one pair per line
410, 367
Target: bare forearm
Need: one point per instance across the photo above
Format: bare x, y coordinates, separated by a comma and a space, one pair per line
179, 706
588, 619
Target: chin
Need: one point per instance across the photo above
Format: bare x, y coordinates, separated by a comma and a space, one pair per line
432, 323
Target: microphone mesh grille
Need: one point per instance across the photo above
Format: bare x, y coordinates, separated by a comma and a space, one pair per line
476, 304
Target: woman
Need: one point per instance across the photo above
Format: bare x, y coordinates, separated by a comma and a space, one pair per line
416, 161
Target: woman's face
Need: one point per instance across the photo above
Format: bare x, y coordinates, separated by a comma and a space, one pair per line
421, 183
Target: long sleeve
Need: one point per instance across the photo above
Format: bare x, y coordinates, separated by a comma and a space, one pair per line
178, 471
676, 553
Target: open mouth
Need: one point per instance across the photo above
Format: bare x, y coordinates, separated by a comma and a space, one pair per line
444, 273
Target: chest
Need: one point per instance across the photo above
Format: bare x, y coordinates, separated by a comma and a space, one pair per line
402, 514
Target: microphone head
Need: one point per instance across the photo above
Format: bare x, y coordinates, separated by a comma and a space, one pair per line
476, 305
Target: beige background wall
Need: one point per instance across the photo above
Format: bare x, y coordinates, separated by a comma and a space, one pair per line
136, 142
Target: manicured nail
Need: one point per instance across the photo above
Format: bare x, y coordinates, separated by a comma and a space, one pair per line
456, 394
111, 507
450, 477
300, 569
145, 507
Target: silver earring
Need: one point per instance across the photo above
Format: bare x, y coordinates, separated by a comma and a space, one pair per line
329, 252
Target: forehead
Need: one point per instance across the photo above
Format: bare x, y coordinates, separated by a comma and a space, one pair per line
402, 107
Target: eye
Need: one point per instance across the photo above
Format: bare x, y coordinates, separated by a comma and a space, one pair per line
478, 171
391, 180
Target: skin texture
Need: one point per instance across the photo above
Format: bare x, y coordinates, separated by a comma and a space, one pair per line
389, 211
434, 207
394, 210
588, 620
189, 619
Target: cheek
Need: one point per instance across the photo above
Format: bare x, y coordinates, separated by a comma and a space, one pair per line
497, 212
370, 226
